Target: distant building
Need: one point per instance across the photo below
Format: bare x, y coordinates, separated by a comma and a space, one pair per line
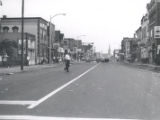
117, 54
126, 48
144, 42
70, 43
58, 44
129, 46
78, 44
58, 37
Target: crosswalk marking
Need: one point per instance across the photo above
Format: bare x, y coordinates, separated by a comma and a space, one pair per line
27, 117
7, 102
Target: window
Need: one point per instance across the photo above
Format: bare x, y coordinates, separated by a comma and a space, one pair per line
15, 29
5, 29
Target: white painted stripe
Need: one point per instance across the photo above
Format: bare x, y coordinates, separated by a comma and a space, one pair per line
25, 117
7, 102
59, 89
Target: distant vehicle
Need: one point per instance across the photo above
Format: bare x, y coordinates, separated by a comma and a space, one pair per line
106, 60
102, 60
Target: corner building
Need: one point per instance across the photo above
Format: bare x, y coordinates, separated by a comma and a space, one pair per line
33, 25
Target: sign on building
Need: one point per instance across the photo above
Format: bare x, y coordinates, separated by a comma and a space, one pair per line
158, 49
156, 31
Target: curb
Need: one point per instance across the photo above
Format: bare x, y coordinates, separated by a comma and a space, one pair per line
29, 70
36, 68
144, 66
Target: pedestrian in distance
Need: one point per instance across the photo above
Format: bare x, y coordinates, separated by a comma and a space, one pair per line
67, 60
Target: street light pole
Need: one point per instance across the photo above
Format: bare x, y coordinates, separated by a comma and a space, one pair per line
50, 37
22, 37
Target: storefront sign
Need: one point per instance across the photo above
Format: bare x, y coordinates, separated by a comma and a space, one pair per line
157, 32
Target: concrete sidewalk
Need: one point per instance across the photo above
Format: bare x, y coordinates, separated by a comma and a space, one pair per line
151, 67
16, 69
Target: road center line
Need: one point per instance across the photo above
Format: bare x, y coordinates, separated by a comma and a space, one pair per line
7, 102
59, 89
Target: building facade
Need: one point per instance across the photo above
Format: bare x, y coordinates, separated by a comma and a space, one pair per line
129, 49
153, 9
36, 26
144, 41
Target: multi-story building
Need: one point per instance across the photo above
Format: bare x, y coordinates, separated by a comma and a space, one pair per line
117, 54
36, 26
138, 39
126, 48
69, 43
129, 48
74, 46
58, 45
88, 50
51, 41
144, 41
154, 29
78, 44
57, 37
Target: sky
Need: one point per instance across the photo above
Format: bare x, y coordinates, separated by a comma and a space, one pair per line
104, 22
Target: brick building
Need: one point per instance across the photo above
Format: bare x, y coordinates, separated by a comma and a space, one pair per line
36, 26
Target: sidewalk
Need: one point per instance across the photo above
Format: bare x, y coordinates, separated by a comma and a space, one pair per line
151, 67
16, 69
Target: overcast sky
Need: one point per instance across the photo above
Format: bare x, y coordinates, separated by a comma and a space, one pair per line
103, 22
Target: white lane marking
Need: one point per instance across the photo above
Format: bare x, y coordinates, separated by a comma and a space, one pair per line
7, 102
59, 89
27, 117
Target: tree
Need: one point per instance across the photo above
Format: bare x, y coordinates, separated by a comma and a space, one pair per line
9, 48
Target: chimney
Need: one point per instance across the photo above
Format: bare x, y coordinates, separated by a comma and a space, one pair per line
4, 16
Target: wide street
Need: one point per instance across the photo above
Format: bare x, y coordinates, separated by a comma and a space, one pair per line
89, 90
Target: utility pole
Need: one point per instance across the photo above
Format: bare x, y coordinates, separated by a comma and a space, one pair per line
22, 36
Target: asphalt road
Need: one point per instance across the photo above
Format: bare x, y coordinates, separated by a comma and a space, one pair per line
89, 90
